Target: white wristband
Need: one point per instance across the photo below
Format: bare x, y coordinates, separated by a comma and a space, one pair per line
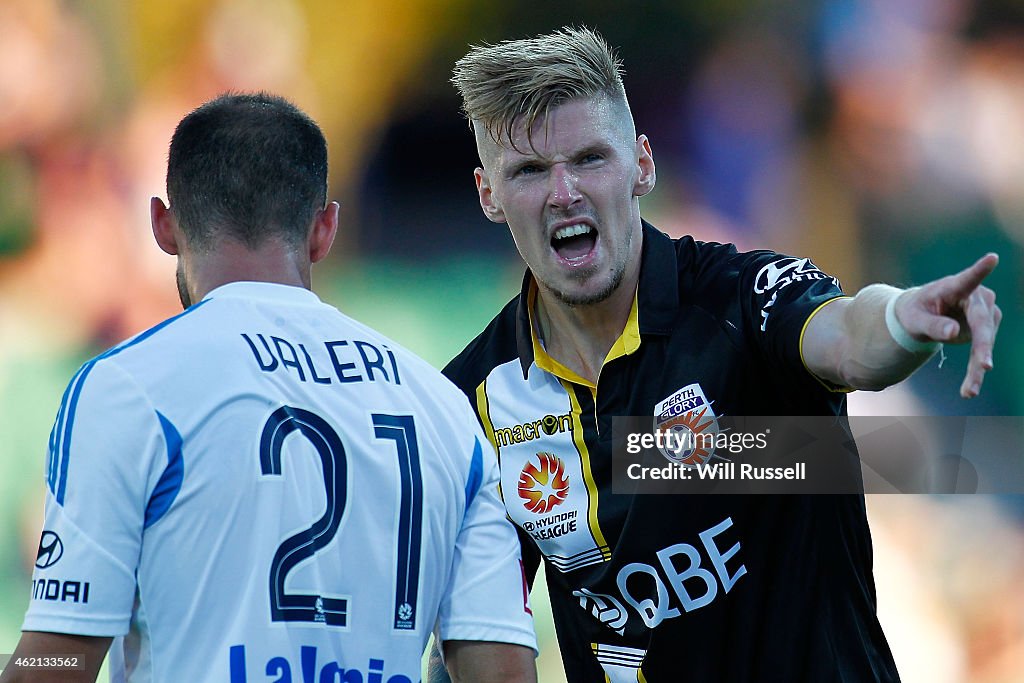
900, 334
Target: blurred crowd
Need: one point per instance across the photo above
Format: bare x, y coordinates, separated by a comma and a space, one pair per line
884, 138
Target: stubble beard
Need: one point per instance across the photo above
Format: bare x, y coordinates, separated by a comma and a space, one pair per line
589, 299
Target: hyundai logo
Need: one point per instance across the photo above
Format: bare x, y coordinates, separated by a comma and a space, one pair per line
50, 550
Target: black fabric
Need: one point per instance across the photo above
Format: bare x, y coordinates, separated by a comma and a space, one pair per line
796, 600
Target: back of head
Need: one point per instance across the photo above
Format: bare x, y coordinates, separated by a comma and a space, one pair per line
249, 167
523, 79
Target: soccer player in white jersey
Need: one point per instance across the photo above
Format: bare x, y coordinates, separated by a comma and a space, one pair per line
261, 488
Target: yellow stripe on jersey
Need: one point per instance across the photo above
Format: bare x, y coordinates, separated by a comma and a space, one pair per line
596, 649
540, 355
828, 385
588, 476
629, 341
484, 411
626, 343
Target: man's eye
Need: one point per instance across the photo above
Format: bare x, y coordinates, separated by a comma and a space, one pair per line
591, 158
529, 169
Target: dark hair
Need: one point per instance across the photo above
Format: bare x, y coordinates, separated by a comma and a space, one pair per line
249, 166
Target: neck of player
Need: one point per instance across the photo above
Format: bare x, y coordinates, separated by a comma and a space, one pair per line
231, 261
579, 337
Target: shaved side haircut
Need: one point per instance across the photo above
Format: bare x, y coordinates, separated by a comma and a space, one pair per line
522, 80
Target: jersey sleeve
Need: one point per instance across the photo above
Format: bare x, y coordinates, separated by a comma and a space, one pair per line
779, 294
486, 598
101, 471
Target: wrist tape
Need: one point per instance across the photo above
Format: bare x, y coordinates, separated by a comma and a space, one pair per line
900, 334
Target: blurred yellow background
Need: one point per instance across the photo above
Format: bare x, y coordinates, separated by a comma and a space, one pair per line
884, 139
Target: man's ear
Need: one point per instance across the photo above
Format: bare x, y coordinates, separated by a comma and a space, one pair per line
492, 209
325, 227
164, 226
645, 160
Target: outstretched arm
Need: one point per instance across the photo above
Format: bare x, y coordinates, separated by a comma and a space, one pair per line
87, 651
883, 334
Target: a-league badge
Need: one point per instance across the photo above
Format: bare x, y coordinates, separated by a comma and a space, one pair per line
688, 416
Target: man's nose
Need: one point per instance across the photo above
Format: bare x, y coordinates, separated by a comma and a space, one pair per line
564, 186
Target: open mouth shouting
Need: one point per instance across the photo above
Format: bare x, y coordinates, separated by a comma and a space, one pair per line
574, 243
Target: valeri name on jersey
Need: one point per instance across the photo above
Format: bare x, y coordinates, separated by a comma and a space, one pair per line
341, 361
280, 670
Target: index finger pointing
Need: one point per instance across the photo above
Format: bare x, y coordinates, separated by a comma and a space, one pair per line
968, 279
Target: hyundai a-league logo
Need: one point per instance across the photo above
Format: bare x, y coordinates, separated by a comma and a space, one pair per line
543, 483
50, 550
405, 611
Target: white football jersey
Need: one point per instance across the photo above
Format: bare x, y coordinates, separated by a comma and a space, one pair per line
263, 489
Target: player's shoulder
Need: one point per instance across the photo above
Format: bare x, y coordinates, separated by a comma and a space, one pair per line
710, 260
150, 342
416, 372
125, 372
410, 360
495, 345
706, 268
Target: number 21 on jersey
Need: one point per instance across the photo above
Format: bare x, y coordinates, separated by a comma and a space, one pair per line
303, 607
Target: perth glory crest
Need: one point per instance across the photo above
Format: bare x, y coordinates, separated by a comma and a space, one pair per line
688, 414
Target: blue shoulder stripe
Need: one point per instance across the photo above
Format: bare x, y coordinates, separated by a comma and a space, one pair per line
78, 381
166, 489
476, 474
63, 454
55, 436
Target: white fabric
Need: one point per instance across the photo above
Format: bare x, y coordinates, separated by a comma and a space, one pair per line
173, 547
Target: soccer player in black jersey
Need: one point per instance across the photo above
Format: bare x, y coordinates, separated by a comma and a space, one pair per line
614, 319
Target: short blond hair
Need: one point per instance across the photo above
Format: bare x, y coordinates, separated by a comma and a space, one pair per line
515, 80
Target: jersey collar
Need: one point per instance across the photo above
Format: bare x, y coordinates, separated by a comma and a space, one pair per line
654, 308
266, 291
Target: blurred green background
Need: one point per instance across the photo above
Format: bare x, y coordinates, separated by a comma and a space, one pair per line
884, 139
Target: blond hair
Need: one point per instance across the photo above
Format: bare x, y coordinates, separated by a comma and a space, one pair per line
517, 80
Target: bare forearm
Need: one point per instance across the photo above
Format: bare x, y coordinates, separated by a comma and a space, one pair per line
871, 359
858, 343
87, 653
